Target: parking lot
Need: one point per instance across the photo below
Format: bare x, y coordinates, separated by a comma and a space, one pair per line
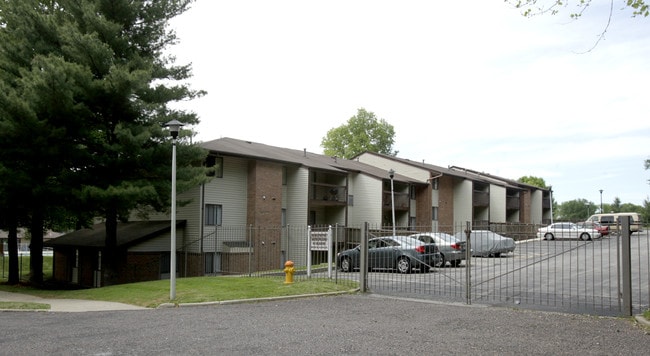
565, 275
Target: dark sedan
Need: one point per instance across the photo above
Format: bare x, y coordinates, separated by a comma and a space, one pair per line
400, 253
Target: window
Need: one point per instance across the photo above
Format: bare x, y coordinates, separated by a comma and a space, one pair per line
284, 217
284, 175
412, 191
216, 163
434, 213
351, 200
213, 214
434, 184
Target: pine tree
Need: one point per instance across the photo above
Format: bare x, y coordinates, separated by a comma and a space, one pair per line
86, 89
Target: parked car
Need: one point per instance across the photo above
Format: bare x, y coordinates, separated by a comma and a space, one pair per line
451, 249
604, 230
567, 230
613, 221
401, 253
485, 243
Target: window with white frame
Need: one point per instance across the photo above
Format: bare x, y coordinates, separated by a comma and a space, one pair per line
434, 213
213, 214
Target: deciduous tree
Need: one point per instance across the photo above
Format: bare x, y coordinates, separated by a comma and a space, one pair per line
363, 132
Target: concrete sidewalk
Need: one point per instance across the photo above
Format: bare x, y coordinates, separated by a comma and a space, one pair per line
67, 305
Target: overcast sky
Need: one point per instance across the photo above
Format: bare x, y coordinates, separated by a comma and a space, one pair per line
467, 83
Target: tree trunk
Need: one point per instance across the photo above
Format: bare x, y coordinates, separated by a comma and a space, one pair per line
12, 246
36, 249
109, 256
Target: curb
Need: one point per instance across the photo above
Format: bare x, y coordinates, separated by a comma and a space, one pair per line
253, 300
641, 320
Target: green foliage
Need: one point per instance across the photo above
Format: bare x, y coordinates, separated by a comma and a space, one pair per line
575, 210
581, 209
577, 7
363, 132
535, 181
84, 92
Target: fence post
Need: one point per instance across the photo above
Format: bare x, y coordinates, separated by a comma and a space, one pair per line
363, 259
308, 251
627, 266
468, 263
329, 252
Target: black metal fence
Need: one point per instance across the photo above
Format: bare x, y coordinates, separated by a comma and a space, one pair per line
570, 274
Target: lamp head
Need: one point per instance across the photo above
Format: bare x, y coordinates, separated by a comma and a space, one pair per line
391, 173
174, 127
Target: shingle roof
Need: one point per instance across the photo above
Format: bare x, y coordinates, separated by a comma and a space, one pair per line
460, 172
251, 149
128, 234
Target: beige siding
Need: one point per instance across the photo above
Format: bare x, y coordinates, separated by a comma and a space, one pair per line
536, 203
188, 207
462, 202
160, 243
230, 191
367, 192
416, 173
497, 204
297, 194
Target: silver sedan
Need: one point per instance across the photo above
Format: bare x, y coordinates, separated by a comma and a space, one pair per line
451, 249
567, 230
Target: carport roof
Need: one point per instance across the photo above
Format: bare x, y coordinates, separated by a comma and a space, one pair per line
128, 234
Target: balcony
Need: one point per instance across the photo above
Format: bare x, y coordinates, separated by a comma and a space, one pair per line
481, 199
324, 194
512, 203
402, 201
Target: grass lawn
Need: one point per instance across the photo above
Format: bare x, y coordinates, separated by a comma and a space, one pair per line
193, 290
153, 293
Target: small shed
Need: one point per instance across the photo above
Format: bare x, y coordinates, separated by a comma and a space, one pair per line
142, 254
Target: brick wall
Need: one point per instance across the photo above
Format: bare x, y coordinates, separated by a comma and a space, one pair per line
446, 204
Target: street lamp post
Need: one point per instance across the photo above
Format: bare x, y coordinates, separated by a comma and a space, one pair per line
391, 174
174, 128
601, 201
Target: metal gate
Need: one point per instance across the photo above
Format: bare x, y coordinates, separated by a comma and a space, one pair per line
605, 276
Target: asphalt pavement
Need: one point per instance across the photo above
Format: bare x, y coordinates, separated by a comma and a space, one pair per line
348, 324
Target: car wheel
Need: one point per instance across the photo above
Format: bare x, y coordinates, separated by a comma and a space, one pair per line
585, 236
442, 261
403, 265
455, 263
497, 255
345, 264
549, 236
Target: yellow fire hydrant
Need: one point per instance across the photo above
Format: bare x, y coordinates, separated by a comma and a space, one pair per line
288, 270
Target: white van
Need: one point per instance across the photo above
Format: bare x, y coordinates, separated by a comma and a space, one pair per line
612, 220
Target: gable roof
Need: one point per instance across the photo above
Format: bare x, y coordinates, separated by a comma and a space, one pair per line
460, 172
128, 234
249, 149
